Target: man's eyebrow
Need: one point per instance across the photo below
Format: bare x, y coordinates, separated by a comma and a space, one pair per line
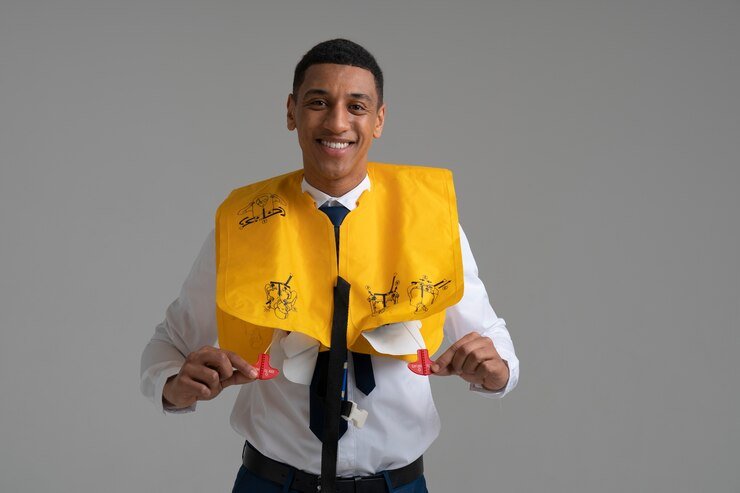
359, 95
315, 92
323, 92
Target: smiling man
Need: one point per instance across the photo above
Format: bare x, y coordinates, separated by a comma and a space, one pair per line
330, 339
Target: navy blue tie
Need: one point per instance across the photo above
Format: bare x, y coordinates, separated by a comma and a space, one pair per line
336, 213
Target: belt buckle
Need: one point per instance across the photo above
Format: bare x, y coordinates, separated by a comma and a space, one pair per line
358, 483
365, 484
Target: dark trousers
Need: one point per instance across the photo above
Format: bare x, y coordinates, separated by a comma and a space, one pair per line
246, 482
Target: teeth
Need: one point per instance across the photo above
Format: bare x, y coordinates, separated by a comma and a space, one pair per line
335, 145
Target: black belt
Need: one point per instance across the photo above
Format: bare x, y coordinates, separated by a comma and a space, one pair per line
277, 472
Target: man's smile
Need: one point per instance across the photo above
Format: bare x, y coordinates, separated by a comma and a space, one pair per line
335, 144
335, 147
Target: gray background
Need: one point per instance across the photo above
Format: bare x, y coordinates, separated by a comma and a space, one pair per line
595, 146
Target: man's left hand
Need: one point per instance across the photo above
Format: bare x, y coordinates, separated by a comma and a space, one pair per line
476, 360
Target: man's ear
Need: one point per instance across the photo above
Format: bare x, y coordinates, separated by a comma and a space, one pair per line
379, 121
291, 112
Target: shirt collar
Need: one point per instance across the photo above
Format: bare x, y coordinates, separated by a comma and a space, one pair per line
348, 200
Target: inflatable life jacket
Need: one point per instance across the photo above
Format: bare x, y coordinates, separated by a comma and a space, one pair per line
277, 265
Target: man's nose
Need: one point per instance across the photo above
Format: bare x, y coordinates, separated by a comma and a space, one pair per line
337, 120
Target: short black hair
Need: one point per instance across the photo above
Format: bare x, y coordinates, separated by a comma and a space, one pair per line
341, 52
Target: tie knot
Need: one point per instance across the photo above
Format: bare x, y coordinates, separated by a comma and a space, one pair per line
336, 213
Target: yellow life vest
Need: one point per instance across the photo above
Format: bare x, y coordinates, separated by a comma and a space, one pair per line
277, 266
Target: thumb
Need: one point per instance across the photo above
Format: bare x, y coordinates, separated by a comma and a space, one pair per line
441, 366
440, 371
238, 378
245, 373
241, 365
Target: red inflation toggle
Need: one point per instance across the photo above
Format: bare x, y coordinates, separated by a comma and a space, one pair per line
422, 365
264, 370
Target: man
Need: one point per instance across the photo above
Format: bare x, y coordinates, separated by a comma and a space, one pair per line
358, 292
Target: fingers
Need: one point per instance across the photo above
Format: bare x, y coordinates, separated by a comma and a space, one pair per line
465, 355
175, 394
247, 370
188, 387
492, 374
475, 359
442, 365
469, 357
205, 373
216, 359
206, 376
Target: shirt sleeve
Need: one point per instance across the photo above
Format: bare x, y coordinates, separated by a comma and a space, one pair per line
189, 324
473, 313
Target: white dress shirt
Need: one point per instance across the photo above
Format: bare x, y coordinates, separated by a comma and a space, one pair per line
273, 415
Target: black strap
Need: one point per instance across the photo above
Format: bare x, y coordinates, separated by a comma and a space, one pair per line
335, 371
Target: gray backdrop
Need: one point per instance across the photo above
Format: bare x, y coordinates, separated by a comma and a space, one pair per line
595, 147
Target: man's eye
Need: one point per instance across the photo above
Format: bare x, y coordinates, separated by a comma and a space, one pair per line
317, 102
356, 107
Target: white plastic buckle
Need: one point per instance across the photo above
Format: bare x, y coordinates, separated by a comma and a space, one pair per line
356, 415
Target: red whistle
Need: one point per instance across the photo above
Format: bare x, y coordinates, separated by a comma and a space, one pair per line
264, 370
422, 365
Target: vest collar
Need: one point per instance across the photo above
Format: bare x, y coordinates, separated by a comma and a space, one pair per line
348, 200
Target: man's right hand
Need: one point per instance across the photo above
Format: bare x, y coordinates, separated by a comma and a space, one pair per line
205, 373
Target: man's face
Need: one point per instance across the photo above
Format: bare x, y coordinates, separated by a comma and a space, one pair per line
336, 115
